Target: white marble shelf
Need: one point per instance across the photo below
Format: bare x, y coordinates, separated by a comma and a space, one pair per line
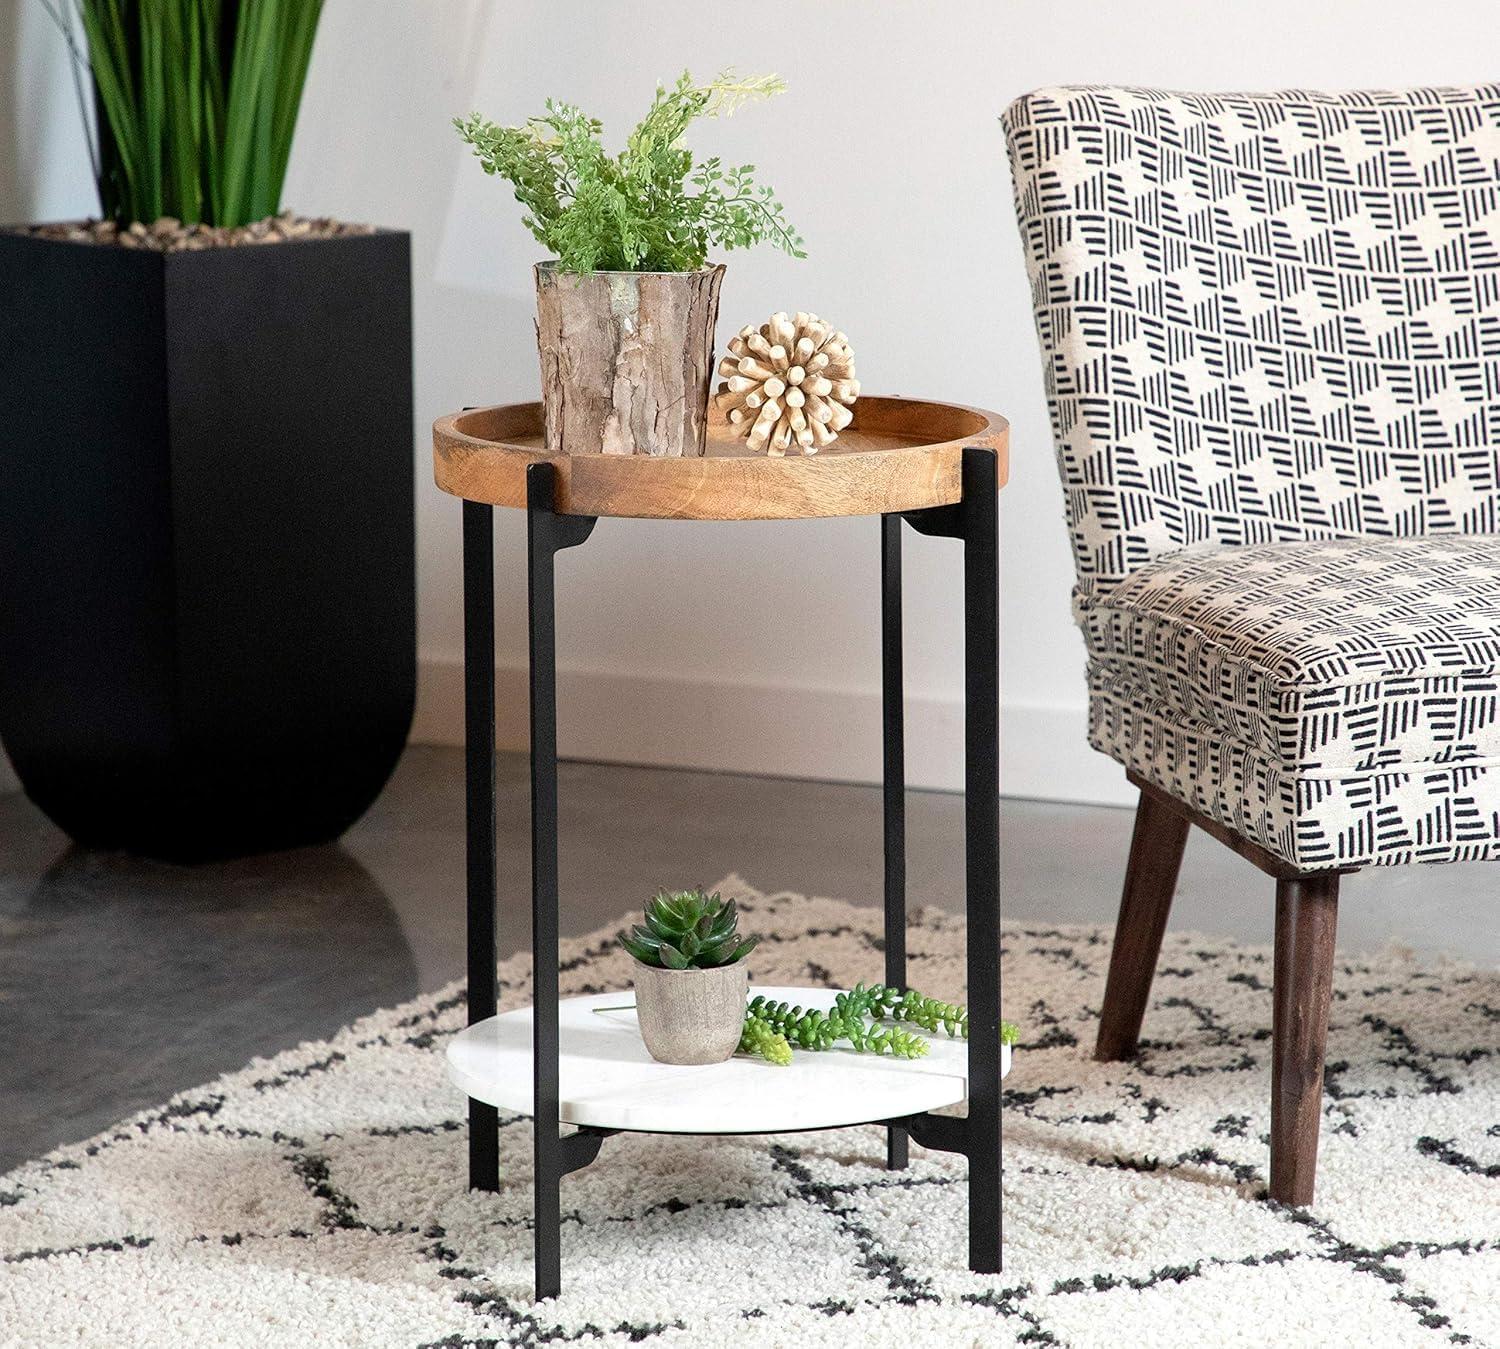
607, 1079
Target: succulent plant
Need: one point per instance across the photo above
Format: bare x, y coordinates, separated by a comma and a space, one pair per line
812, 1029
884, 1003
688, 930
772, 1028
758, 1038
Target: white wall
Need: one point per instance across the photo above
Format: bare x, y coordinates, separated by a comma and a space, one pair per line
755, 646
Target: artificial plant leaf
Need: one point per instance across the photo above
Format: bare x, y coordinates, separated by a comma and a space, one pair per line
633, 210
714, 954
744, 949
672, 958
671, 910
663, 918
647, 955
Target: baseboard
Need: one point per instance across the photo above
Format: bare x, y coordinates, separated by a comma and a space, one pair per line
799, 732
828, 734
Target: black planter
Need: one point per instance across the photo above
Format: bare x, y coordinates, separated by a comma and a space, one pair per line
207, 590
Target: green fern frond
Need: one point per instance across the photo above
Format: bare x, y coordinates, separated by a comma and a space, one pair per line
635, 211
729, 92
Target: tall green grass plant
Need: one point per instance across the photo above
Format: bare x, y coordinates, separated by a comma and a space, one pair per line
195, 102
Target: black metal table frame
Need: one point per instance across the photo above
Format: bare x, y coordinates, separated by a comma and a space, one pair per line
974, 521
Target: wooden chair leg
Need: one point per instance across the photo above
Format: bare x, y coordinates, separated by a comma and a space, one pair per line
1306, 922
1150, 880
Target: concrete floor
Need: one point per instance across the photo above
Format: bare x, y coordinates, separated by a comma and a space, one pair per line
123, 981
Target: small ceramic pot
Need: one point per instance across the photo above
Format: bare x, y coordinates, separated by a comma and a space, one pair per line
691, 1016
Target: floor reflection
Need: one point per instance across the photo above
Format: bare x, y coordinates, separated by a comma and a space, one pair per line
144, 978
122, 982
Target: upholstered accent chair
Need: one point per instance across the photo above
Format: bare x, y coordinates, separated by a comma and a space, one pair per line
1270, 328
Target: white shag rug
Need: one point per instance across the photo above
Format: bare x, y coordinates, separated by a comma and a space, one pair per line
318, 1198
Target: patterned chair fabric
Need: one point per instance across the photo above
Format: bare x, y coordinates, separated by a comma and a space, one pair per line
1271, 338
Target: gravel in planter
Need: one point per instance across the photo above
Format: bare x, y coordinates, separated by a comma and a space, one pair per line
170, 235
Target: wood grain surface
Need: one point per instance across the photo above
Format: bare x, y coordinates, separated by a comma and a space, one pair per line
606, 388
899, 454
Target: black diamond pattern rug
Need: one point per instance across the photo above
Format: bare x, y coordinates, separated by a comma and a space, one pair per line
318, 1197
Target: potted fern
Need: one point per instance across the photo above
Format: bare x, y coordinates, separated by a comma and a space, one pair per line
626, 305
690, 977
206, 491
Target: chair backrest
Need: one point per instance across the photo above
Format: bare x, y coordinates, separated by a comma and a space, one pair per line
1264, 316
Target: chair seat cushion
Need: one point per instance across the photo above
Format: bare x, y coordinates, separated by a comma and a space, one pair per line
1322, 697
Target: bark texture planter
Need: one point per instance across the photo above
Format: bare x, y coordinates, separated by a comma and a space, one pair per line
691, 1016
626, 359
207, 597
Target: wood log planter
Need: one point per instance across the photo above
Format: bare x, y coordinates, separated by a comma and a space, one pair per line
627, 300
626, 359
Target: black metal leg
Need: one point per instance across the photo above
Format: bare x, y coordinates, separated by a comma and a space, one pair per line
548, 1154
980, 516
893, 778
479, 785
547, 532
975, 520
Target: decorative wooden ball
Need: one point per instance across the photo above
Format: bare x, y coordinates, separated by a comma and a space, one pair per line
789, 383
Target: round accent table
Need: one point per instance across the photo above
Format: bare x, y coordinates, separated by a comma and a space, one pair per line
938, 467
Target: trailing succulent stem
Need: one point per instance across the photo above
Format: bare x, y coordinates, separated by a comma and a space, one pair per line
772, 1028
633, 212
688, 930
884, 1003
759, 1039
811, 1029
